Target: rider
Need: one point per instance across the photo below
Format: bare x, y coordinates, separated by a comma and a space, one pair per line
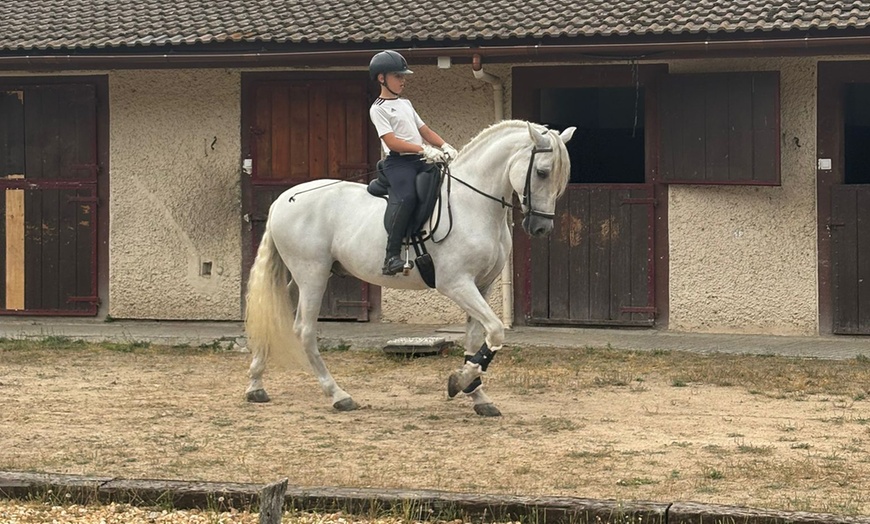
407, 144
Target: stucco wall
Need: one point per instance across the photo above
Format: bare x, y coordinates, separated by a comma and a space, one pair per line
743, 259
174, 176
457, 106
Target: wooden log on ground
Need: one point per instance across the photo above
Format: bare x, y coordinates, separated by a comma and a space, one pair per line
695, 513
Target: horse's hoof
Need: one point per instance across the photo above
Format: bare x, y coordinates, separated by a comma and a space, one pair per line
487, 410
453, 385
258, 395
346, 404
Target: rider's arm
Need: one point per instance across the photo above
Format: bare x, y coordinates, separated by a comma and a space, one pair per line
431, 136
400, 146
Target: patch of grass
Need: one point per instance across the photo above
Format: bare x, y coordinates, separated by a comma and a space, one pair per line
126, 347
713, 449
554, 424
751, 449
60, 342
600, 453
678, 383
713, 474
636, 481
336, 347
613, 378
219, 344
49, 342
516, 356
189, 448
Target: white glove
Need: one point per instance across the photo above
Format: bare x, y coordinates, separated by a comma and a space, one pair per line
450, 151
433, 155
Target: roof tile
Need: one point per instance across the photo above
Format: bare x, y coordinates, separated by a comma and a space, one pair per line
58, 24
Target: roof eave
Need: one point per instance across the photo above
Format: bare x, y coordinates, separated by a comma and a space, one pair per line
517, 50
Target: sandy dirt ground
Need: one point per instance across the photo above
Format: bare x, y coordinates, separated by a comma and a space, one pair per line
626, 428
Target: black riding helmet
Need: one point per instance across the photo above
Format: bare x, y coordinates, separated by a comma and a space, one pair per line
388, 62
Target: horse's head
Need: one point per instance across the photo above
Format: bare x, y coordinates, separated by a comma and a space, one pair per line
542, 178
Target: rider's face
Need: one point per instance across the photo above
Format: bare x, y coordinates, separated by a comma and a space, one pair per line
395, 82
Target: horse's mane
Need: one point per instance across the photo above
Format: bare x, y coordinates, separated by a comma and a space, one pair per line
558, 146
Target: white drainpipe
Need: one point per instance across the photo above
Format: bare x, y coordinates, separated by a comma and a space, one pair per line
507, 287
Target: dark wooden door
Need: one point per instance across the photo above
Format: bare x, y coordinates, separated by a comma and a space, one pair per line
48, 172
298, 130
850, 261
596, 266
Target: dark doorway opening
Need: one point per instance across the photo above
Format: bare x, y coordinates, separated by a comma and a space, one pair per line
608, 146
856, 112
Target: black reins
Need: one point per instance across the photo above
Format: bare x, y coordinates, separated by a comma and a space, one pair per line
527, 190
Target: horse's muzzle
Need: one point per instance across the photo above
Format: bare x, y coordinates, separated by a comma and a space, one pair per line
537, 226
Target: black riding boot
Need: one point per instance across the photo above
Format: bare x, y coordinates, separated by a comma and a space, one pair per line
396, 220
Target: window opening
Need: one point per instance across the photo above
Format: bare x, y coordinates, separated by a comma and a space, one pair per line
857, 134
608, 146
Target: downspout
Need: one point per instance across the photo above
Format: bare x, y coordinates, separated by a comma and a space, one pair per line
507, 291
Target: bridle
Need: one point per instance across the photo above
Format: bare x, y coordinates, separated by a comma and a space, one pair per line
527, 189
526, 200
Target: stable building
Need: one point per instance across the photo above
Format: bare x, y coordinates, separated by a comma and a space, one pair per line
720, 171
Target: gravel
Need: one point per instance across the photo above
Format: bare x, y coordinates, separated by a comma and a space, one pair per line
18, 512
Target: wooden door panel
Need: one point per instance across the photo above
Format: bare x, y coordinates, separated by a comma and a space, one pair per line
302, 130
48, 141
595, 266
850, 259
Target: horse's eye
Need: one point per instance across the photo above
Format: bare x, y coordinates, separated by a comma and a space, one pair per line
543, 174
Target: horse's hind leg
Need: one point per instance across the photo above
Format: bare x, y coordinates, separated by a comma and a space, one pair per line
311, 289
474, 335
256, 392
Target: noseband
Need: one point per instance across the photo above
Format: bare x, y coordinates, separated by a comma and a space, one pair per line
526, 207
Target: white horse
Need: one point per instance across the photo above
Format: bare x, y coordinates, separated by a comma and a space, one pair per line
323, 226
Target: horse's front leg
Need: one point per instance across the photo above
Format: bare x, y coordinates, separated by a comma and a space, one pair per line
470, 299
474, 336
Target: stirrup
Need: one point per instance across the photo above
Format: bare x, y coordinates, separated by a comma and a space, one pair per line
393, 265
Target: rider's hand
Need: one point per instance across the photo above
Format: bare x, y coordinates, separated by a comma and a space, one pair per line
433, 155
450, 151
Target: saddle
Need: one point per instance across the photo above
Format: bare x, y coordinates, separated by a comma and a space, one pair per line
428, 184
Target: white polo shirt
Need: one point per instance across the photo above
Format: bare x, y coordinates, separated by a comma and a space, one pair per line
396, 115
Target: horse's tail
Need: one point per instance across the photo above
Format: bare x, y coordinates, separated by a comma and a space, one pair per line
271, 309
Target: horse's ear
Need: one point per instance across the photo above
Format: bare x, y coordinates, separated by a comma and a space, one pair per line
567, 134
538, 137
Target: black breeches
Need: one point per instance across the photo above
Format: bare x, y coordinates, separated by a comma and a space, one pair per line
401, 171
